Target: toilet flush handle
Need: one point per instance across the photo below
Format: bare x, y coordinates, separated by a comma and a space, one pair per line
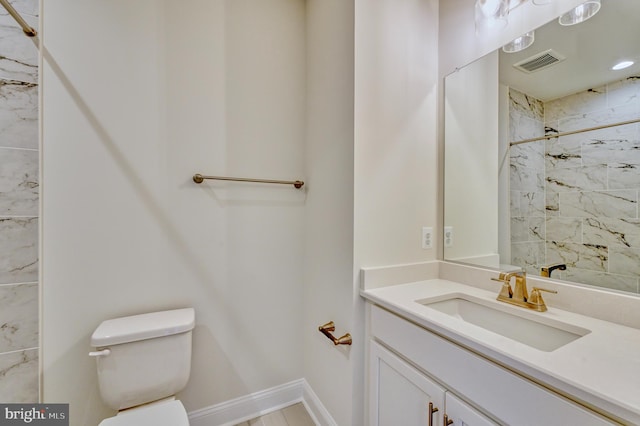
103, 352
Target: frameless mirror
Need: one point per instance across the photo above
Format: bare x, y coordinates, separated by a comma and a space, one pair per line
542, 154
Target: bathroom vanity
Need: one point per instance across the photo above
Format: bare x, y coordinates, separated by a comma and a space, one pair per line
441, 352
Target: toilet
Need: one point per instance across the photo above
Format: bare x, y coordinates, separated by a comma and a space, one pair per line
143, 361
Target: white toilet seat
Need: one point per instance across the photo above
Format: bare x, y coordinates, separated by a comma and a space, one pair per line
171, 413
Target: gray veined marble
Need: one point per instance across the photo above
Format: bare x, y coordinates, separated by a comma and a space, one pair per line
552, 203
577, 104
527, 204
522, 127
25, 7
18, 54
18, 182
624, 92
526, 179
526, 105
519, 229
18, 114
593, 257
624, 261
562, 229
623, 176
18, 250
598, 118
583, 178
536, 229
528, 155
600, 279
18, 317
607, 150
563, 152
612, 232
529, 255
617, 204
591, 184
19, 377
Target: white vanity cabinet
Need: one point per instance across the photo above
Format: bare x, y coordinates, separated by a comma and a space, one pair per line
460, 413
399, 394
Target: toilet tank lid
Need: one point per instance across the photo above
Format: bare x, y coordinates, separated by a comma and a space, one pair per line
144, 326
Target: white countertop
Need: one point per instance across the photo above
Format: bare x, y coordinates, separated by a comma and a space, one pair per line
600, 369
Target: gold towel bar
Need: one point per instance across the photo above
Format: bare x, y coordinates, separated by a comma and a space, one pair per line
327, 328
26, 28
573, 132
198, 178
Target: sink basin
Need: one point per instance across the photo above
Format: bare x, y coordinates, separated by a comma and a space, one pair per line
545, 334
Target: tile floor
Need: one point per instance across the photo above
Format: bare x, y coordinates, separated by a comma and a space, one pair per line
294, 415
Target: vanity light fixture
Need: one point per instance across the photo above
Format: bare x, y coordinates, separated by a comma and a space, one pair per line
520, 43
491, 14
581, 13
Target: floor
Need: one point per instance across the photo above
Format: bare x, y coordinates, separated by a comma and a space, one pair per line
294, 415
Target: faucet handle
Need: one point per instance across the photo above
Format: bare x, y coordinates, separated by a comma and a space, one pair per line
535, 298
502, 278
505, 291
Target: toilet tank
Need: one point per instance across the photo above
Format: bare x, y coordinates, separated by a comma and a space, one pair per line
143, 358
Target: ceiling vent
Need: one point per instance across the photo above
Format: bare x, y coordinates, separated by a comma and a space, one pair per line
539, 61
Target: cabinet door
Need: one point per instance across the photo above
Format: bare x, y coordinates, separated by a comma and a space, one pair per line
399, 394
461, 414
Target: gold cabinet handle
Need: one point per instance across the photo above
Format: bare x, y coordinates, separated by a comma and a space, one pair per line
327, 328
432, 410
447, 420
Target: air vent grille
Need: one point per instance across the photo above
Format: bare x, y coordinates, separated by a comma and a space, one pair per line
540, 61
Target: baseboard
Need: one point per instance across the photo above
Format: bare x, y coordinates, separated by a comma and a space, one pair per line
257, 404
314, 406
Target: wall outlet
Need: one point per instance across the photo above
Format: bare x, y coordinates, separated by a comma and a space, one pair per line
448, 236
427, 237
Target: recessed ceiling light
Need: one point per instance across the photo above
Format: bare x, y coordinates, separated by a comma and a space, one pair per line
622, 65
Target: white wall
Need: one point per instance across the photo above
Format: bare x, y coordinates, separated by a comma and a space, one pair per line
471, 159
136, 98
395, 164
328, 293
395, 129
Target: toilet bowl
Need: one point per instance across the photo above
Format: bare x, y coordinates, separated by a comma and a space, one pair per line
143, 361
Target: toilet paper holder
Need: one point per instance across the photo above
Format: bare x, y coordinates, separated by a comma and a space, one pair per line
327, 330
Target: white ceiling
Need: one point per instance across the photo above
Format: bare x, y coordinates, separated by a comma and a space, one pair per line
591, 48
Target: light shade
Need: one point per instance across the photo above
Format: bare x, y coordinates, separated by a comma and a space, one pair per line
491, 15
581, 13
520, 43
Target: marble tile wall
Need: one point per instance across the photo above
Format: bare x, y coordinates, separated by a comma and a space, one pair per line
526, 120
591, 184
19, 184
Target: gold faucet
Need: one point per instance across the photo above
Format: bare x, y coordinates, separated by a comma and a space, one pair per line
519, 295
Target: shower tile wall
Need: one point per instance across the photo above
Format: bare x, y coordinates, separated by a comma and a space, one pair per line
526, 120
18, 208
591, 184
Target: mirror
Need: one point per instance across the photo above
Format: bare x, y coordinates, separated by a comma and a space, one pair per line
515, 199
